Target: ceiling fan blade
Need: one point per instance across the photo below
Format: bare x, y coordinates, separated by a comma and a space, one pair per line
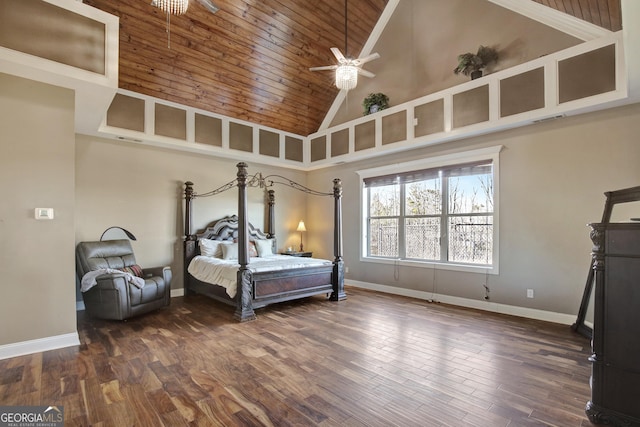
326, 67
339, 56
365, 73
368, 58
208, 4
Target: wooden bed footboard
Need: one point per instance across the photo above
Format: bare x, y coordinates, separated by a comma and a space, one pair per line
285, 285
273, 286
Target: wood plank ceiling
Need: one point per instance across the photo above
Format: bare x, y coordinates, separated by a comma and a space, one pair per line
603, 13
250, 59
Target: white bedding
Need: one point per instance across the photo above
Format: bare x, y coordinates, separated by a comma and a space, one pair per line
224, 272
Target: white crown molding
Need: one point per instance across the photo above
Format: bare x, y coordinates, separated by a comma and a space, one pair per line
554, 18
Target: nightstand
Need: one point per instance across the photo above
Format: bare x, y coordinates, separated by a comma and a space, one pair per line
301, 254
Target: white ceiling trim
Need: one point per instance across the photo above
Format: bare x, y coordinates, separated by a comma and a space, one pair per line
366, 50
554, 18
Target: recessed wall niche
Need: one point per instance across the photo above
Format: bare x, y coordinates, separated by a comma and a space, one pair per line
240, 137
171, 122
394, 127
47, 31
340, 142
365, 136
471, 106
269, 143
430, 118
589, 74
319, 148
522, 92
208, 130
293, 149
126, 112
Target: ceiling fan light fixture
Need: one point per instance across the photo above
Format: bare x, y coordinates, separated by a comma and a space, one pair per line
172, 7
346, 77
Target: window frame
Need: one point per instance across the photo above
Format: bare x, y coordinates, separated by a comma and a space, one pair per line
448, 160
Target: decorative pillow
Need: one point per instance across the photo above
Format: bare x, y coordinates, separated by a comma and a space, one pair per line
264, 247
230, 251
212, 248
134, 269
253, 252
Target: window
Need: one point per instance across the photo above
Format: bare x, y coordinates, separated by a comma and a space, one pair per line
440, 210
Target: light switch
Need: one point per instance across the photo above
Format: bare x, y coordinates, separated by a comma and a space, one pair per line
44, 213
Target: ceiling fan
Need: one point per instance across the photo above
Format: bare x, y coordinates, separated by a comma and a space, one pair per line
347, 69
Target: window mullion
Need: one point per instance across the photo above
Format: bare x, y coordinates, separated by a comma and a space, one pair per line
402, 251
368, 224
444, 231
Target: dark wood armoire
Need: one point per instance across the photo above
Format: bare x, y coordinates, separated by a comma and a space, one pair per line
615, 374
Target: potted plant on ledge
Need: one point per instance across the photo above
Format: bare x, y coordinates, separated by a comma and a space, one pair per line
473, 63
375, 102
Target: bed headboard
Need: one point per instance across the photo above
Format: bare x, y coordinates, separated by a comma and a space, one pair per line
227, 229
223, 229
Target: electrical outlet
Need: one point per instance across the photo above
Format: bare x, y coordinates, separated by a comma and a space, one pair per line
346, 269
529, 293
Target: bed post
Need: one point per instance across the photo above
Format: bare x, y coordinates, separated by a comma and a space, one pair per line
271, 230
244, 310
189, 239
338, 293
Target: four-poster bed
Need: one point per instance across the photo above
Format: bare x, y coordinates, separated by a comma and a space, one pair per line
263, 281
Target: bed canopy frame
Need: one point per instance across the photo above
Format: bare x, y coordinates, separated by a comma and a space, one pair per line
245, 300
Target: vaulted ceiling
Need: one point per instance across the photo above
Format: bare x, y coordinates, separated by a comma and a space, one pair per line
603, 13
250, 60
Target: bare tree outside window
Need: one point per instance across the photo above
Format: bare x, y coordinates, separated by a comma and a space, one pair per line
470, 233
444, 216
384, 208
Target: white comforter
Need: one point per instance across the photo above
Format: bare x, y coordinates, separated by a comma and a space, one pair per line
224, 272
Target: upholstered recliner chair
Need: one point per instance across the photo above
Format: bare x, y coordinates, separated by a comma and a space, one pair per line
114, 286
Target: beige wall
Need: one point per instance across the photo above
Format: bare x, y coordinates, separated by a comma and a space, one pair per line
552, 179
140, 188
421, 43
37, 274
553, 176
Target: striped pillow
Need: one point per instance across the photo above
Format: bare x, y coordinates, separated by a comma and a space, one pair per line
134, 270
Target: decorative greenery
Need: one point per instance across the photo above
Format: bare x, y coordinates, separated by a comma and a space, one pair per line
379, 99
470, 62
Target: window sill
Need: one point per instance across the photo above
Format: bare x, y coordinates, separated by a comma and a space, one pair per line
469, 268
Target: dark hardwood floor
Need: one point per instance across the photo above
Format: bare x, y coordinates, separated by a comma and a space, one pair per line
372, 360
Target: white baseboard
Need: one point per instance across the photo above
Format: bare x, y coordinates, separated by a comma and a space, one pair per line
530, 313
39, 345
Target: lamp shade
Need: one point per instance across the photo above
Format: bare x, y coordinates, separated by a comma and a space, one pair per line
301, 226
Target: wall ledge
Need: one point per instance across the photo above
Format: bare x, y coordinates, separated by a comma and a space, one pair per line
39, 345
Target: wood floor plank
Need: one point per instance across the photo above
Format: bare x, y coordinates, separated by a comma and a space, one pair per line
372, 360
